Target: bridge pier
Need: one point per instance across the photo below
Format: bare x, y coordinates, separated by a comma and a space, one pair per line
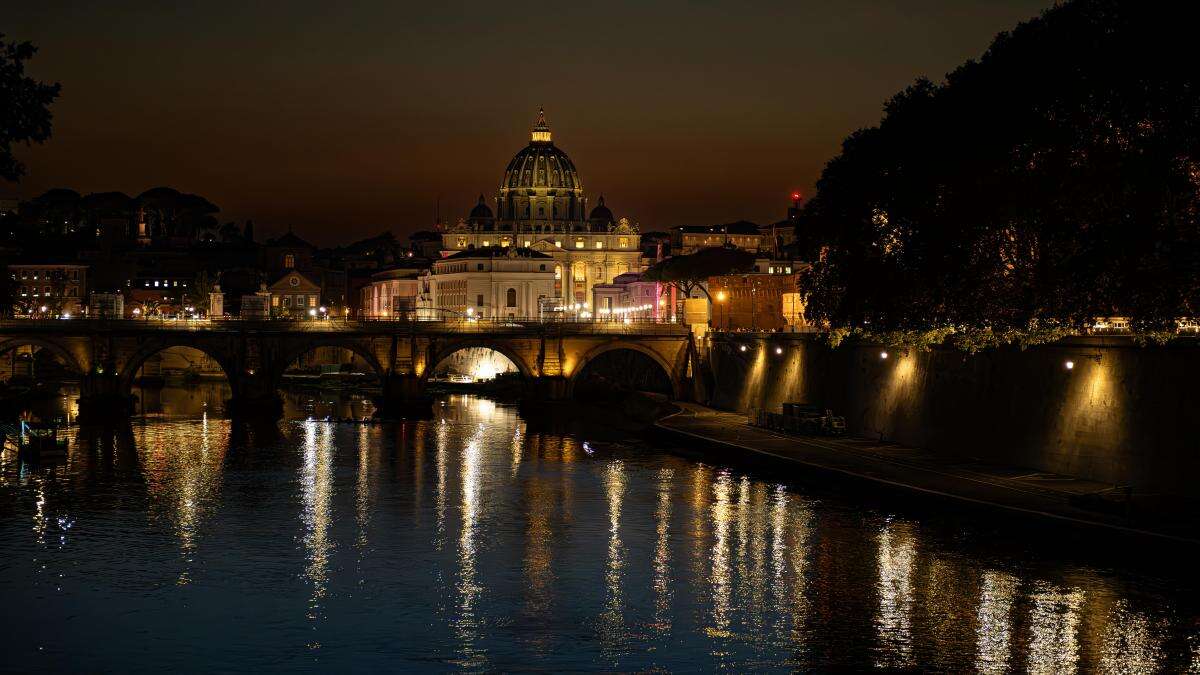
254, 398
403, 397
547, 388
103, 401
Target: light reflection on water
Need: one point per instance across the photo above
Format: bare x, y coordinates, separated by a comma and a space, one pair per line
481, 541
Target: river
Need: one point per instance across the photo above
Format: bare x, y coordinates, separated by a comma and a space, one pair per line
483, 541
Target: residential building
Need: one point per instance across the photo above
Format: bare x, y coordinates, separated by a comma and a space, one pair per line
767, 299
293, 295
491, 282
60, 287
391, 294
687, 239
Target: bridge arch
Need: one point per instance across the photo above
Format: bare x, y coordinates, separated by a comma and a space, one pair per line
295, 352
62, 353
443, 351
673, 372
149, 348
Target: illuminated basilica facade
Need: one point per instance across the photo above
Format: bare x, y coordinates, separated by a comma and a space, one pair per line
541, 206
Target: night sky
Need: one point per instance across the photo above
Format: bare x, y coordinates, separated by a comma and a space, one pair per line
347, 120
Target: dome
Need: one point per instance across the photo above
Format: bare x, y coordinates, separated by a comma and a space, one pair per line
540, 164
481, 210
601, 213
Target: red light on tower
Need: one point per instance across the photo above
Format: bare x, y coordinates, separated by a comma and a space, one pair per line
796, 196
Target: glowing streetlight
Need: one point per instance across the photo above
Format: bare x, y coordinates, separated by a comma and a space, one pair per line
883, 355
312, 312
742, 348
470, 311
720, 296
779, 350
1070, 365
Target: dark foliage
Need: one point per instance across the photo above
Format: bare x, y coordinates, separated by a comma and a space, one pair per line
1053, 181
24, 106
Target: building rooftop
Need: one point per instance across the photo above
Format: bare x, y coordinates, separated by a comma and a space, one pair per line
740, 227
497, 252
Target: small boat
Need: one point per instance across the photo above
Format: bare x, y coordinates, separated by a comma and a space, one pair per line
40, 441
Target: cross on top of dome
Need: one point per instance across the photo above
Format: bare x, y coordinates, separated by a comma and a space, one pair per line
541, 130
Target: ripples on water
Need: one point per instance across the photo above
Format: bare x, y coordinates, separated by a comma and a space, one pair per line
475, 542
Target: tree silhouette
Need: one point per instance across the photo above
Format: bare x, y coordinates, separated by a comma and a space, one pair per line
691, 272
24, 106
1052, 181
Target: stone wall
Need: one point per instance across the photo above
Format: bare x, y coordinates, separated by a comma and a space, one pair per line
1123, 414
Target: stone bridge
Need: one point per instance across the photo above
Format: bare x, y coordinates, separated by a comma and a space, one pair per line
106, 355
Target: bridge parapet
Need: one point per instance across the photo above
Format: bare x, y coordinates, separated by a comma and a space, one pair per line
107, 354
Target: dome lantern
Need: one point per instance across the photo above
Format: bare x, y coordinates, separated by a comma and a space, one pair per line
541, 130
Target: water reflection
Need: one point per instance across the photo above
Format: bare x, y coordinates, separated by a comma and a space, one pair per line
486, 542
1054, 629
316, 488
612, 622
994, 621
897, 555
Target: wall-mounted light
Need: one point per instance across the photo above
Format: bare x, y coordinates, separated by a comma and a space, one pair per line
742, 348
883, 355
779, 350
1069, 365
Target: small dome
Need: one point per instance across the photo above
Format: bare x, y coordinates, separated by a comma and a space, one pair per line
481, 210
601, 213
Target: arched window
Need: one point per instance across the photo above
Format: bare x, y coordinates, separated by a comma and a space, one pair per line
511, 300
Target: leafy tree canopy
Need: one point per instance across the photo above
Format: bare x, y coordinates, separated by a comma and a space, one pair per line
1054, 180
24, 106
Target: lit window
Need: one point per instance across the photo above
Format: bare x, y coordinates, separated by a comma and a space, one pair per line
289, 261
486, 242
578, 243
558, 243
312, 301
599, 244
623, 242
528, 243
156, 284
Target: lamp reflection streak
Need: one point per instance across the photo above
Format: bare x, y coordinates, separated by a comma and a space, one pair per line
722, 514
363, 487
1054, 630
897, 554
316, 482
994, 622
612, 620
662, 553
467, 623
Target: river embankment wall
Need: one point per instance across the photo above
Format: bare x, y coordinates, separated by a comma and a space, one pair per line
1122, 413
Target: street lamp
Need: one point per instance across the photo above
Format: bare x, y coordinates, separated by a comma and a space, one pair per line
312, 313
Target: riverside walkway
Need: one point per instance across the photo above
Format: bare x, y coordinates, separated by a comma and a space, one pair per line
1024, 491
